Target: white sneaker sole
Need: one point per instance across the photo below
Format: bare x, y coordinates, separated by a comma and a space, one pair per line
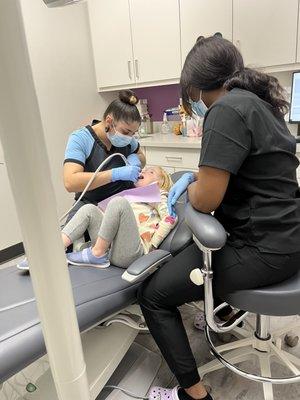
22, 268
100, 266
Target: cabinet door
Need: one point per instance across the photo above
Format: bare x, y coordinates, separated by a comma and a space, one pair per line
156, 39
266, 31
204, 18
111, 39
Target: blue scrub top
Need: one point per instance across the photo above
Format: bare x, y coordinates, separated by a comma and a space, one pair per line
86, 149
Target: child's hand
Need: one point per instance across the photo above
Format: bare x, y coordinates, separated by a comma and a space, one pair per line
170, 219
152, 248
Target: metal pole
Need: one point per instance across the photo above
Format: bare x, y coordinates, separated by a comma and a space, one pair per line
21, 134
262, 327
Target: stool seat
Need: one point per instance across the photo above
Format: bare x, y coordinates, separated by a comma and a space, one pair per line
282, 299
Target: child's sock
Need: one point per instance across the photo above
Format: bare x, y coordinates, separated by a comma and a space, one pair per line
182, 394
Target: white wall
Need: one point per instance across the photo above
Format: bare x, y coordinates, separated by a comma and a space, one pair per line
10, 232
63, 71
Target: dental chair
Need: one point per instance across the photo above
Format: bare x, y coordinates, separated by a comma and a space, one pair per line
282, 299
107, 316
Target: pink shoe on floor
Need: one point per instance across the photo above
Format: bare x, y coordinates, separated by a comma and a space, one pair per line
159, 393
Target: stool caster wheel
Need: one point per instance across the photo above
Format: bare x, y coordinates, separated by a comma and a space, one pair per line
291, 340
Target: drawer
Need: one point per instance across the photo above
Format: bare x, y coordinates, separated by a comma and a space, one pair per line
170, 170
169, 157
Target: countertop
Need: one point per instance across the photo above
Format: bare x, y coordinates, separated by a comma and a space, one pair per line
176, 141
171, 140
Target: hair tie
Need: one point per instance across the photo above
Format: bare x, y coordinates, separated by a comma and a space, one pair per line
133, 100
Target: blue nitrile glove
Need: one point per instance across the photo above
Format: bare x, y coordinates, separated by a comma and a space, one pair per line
133, 159
128, 173
177, 189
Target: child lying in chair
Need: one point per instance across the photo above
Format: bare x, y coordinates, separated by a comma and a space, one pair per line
125, 231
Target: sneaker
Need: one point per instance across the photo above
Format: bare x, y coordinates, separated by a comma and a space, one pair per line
86, 258
23, 265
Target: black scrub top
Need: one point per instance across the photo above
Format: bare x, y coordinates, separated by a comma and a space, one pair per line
261, 207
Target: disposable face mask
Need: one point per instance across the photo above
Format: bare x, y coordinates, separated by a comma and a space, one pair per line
117, 139
199, 108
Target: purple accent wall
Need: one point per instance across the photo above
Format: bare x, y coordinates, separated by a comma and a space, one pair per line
159, 98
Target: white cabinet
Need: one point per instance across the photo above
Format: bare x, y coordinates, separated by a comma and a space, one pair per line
135, 42
266, 31
156, 39
112, 45
204, 18
173, 153
178, 158
140, 43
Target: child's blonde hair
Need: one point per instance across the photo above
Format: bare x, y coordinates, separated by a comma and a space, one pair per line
166, 181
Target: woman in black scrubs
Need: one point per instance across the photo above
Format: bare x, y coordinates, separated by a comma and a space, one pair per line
247, 175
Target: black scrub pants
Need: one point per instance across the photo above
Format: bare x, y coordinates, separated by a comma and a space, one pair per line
170, 287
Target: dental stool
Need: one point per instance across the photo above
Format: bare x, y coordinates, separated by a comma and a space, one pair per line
282, 299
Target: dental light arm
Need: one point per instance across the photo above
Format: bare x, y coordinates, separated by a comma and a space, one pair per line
209, 235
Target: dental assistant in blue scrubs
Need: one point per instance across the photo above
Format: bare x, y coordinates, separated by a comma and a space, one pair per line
88, 147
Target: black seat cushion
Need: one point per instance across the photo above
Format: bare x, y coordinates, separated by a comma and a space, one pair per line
282, 299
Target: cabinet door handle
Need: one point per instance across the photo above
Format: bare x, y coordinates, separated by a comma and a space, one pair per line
174, 158
129, 69
238, 45
137, 74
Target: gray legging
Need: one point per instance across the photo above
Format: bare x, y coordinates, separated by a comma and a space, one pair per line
117, 225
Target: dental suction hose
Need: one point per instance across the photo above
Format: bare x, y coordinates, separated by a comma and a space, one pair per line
102, 165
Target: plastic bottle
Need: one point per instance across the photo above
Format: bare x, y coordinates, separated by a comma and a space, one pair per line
165, 127
183, 125
143, 127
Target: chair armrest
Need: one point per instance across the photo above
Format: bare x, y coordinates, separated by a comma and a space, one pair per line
146, 265
206, 229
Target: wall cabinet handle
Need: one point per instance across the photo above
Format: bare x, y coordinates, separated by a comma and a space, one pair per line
137, 74
174, 158
129, 69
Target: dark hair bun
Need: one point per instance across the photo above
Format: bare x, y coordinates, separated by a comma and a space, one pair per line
128, 97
